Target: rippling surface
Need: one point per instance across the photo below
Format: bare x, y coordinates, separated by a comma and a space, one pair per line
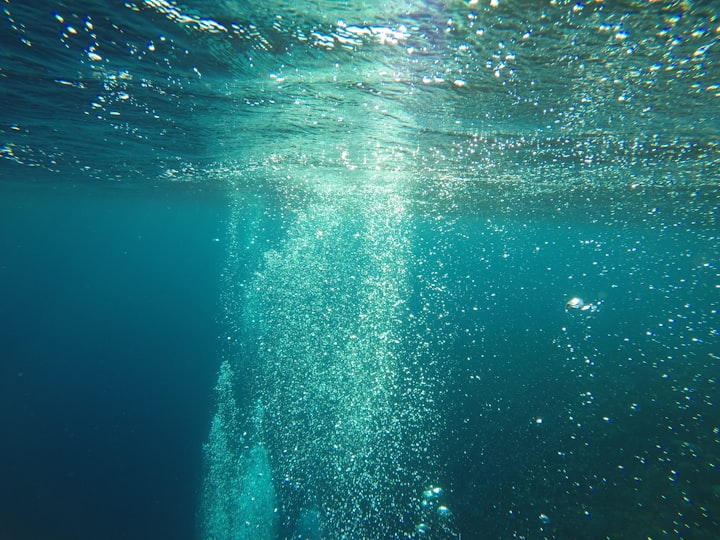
470, 283
472, 89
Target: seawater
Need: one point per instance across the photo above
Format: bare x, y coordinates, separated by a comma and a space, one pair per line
343, 270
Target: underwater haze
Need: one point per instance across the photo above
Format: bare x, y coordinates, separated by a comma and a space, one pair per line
440, 269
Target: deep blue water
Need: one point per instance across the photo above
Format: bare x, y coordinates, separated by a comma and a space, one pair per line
339, 270
109, 340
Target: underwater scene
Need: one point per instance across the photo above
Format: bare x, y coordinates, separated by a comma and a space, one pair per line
364, 270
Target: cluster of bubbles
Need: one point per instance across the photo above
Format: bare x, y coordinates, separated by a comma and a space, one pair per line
336, 360
576, 303
238, 496
437, 518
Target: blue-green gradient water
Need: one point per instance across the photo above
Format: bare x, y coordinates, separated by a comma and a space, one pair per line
359, 270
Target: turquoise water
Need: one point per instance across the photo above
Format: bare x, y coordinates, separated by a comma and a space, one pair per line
359, 270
